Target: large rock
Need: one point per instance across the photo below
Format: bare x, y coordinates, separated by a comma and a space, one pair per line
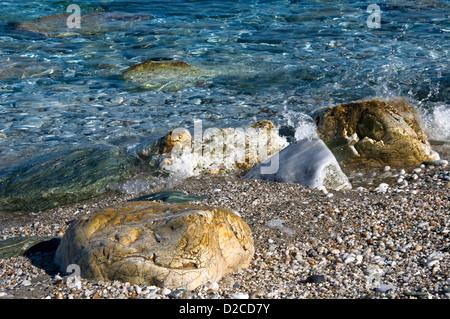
214, 151
61, 178
91, 23
375, 133
308, 162
166, 76
148, 243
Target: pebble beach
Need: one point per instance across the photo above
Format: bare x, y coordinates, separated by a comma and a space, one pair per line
386, 238
101, 114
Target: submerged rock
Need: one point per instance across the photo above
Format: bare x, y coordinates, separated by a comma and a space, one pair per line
375, 133
308, 162
165, 75
17, 68
214, 151
61, 178
148, 243
90, 23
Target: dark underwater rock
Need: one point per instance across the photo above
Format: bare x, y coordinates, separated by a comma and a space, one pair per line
61, 178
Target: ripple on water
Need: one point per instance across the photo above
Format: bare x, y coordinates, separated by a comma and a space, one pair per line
270, 60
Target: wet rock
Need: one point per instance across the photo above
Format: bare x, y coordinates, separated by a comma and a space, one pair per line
375, 133
215, 151
148, 243
166, 76
308, 162
315, 279
169, 197
61, 178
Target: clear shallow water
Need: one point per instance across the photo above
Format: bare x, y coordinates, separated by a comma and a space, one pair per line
277, 60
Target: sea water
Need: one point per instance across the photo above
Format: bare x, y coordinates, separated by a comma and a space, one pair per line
271, 60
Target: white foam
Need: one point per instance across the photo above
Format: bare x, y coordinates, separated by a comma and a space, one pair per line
437, 125
222, 151
304, 125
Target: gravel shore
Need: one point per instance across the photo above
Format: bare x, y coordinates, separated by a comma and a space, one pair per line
374, 241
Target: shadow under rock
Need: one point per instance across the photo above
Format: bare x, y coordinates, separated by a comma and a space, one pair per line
42, 254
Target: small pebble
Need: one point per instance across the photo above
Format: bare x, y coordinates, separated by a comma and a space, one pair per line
315, 279
385, 288
257, 294
166, 291
240, 295
382, 188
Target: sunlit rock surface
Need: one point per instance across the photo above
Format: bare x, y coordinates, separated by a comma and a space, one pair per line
147, 243
375, 133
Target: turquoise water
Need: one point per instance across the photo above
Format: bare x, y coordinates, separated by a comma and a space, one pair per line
276, 60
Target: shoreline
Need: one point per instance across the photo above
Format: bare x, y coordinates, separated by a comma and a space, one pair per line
358, 243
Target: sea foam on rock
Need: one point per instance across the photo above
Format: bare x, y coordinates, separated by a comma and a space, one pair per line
148, 243
308, 162
214, 151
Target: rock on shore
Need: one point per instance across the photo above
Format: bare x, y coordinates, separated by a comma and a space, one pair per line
214, 151
307, 162
169, 245
375, 133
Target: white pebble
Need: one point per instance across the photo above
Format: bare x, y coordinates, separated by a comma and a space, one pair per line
442, 163
385, 288
382, 188
359, 259
431, 263
349, 259
138, 289
240, 295
423, 224
322, 189
214, 286
166, 291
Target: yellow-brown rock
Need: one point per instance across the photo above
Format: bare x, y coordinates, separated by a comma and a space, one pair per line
148, 243
375, 133
172, 141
